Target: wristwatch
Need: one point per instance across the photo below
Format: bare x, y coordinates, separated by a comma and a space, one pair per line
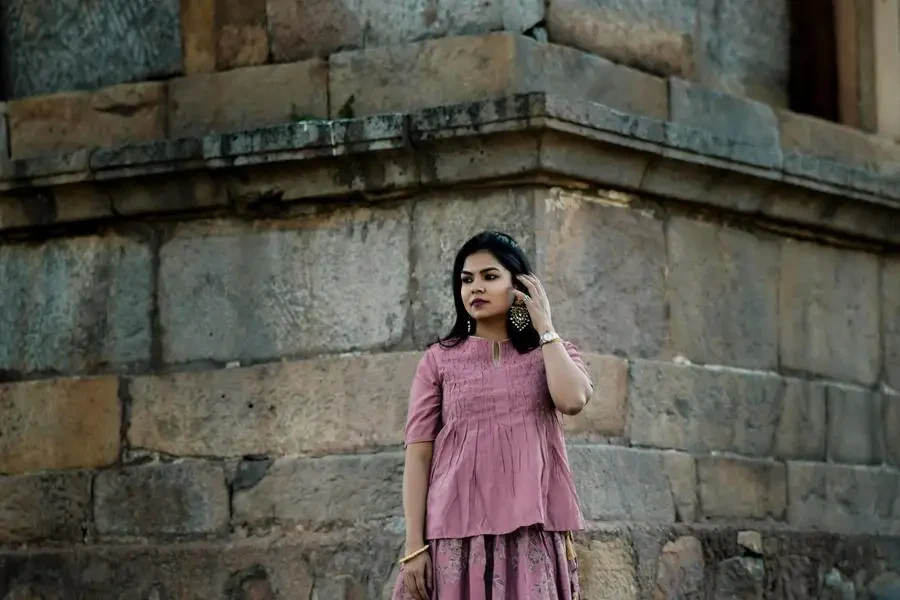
548, 337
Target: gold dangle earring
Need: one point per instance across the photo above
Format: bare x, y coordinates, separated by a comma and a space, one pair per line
519, 316
469, 324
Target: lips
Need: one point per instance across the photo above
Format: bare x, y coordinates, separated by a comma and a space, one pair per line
479, 302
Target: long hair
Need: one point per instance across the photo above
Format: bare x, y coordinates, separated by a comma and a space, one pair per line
513, 258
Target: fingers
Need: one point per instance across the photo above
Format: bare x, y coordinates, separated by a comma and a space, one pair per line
428, 574
528, 284
420, 584
523, 296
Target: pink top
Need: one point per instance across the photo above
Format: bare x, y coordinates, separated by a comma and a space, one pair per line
499, 460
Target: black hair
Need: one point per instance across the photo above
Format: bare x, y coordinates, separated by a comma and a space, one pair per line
512, 257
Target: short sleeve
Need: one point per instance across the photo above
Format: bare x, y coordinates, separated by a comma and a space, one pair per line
423, 419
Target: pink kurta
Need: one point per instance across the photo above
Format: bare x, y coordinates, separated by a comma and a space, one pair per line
499, 460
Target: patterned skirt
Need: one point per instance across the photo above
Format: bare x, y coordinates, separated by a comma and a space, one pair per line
527, 564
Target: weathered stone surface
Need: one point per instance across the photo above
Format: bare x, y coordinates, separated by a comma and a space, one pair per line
161, 499
236, 569
47, 506
587, 161
733, 488
716, 124
230, 292
751, 541
680, 570
35, 206
75, 304
247, 98
242, 38
843, 499
605, 261
837, 587
303, 29
740, 578
183, 193
723, 311
75, 44
616, 483
605, 413
855, 426
315, 406
744, 48
891, 429
681, 471
59, 424
885, 587
651, 35
332, 488
198, 36
702, 409
828, 311
890, 320
442, 223
69, 121
606, 569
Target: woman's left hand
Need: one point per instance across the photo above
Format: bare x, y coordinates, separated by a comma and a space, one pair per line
538, 304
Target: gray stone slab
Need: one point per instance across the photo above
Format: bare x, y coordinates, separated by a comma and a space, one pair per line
46, 506
890, 320
161, 499
843, 499
138, 155
735, 488
855, 425
892, 429
442, 223
78, 44
603, 267
717, 124
616, 483
75, 304
828, 312
323, 284
332, 488
723, 294
826, 170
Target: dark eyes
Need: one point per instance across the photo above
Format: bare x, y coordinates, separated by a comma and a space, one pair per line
489, 277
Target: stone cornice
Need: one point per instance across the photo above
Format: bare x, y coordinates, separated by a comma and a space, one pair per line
516, 136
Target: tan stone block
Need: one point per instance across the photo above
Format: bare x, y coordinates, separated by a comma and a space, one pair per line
681, 472
69, 121
46, 506
890, 319
59, 424
828, 312
311, 406
198, 35
301, 29
604, 414
649, 36
247, 98
732, 488
606, 569
680, 572
802, 426
810, 135
242, 37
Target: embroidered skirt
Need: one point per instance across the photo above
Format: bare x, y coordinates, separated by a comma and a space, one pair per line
527, 564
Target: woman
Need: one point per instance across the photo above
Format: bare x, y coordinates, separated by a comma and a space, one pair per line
487, 490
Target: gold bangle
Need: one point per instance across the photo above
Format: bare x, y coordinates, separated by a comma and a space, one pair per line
412, 555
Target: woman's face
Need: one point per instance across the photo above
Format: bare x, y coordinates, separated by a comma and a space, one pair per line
486, 286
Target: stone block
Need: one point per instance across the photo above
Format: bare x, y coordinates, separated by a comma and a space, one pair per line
805, 134
732, 488
616, 483
744, 48
46, 506
473, 159
242, 39
681, 471
247, 98
198, 36
892, 429
802, 429
605, 413
90, 44
605, 261
161, 499
713, 123
652, 35
606, 570
680, 573
740, 577
321, 490
855, 426
890, 320
305, 407
75, 304
183, 192
59, 424
443, 223
69, 121
702, 410
723, 311
232, 292
844, 498
302, 29
828, 312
